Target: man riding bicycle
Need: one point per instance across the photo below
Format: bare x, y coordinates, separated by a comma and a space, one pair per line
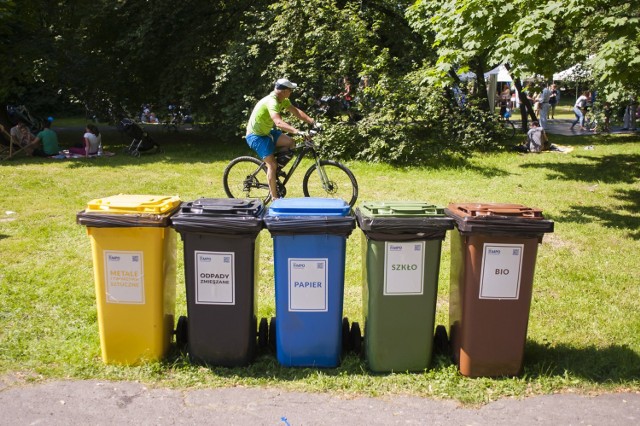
265, 127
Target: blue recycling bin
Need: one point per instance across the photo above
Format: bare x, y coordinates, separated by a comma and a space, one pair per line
309, 242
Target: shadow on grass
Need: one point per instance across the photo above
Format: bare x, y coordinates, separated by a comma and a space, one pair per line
266, 366
626, 216
616, 363
617, 168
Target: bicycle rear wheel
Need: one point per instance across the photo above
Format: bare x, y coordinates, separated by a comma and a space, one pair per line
244, 178
341, 183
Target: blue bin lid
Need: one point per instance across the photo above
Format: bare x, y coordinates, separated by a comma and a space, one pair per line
309, 206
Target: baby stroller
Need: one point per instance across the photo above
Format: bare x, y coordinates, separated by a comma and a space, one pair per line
141, 142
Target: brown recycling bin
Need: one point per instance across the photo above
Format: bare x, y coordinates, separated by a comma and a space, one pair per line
493, 256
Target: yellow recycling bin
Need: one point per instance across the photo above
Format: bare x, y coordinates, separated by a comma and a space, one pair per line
134, 265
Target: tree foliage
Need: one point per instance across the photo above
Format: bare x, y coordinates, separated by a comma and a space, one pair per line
536, 38
220, 57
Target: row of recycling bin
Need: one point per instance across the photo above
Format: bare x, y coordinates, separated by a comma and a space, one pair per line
493, 254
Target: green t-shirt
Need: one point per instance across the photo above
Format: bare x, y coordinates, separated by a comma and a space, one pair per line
260, 122
49, 140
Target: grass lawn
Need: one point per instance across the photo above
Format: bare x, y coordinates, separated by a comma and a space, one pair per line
584, 328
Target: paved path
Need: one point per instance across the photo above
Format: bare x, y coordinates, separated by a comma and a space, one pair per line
94, 402
563, 127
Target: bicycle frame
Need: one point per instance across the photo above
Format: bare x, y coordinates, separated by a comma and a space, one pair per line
302, 150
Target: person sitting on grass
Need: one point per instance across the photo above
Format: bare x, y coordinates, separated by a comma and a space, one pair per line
537, 140
49, 140
21, 136
91, 143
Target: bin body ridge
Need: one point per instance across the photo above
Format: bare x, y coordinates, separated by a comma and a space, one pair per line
493, 255
135, 302
309, 335
223, 334
401, 251
398, 328
221, 253
309, 246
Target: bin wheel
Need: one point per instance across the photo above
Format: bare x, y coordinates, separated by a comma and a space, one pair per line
272, 334
346, 341
441, 341
182, 334
356, 339
263, 333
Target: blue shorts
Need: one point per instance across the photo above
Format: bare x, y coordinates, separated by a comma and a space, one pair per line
264, 146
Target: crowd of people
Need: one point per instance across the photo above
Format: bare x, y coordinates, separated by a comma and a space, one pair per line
545, 101
45, 142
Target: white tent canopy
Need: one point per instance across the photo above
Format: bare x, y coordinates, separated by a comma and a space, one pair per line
576, 71
501, 74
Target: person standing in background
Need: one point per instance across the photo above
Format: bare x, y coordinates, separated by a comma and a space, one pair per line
580, 108
545, 96
553, 100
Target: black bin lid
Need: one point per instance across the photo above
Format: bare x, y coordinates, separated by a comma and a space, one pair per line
223, 206
220, 216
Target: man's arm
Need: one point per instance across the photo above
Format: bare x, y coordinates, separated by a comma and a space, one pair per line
283, 125
301, 115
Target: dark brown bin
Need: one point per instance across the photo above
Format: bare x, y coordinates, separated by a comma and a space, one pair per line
493, 256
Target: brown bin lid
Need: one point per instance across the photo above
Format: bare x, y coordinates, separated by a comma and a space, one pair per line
494, 209
498, 218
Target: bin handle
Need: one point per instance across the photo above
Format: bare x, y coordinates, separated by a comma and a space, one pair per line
407, 210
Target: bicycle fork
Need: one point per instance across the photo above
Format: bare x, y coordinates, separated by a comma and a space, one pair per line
327, 185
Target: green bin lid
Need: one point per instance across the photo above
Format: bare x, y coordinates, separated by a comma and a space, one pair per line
399, 208
402, 220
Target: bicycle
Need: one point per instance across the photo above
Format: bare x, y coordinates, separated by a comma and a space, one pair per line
246, 176
591, 119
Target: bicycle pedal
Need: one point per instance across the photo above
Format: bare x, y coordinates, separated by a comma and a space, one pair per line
281, 173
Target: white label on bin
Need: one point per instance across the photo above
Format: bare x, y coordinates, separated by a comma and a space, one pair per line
308, 290
124, 276
215, 278
501, 269
404, 268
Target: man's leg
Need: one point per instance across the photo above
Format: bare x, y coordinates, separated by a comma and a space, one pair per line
272, 166
544, 110
285, 141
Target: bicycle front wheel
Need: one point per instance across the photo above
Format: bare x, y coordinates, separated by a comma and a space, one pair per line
245, 177
333, 181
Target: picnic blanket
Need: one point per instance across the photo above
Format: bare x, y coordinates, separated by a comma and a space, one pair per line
562, 149
64, 154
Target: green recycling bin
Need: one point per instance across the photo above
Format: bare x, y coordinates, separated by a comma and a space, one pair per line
401, 244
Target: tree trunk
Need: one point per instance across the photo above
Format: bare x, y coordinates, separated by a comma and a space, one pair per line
525, 103
478, 69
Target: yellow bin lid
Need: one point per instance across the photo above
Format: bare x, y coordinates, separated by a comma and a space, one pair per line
133, 204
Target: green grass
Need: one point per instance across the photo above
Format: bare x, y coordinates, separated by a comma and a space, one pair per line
584, 328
